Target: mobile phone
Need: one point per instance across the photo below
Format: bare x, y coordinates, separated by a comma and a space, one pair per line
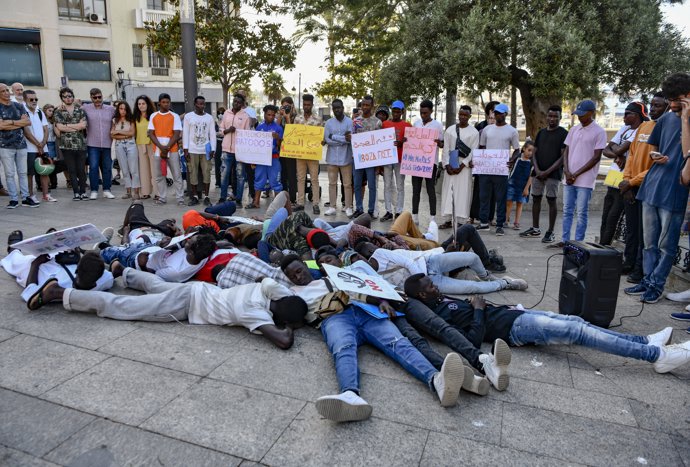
655, 155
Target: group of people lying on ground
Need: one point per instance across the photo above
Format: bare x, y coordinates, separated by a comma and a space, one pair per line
268, 275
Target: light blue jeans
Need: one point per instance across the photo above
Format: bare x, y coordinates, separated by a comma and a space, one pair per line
661, 233
128, 157
14, 163
228, 161
346, 331
439, 265
359, 175
575, 198
545, 327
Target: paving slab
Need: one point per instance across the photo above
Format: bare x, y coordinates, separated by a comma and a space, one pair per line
105, 443
33, 365
540, 363
122, 390
236, 420
6, 334
312, 441
229, 335
12, 458
34, 426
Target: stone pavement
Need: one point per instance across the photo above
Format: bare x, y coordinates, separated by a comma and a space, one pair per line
82, 391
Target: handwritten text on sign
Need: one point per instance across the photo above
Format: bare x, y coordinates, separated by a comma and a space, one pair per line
374, 148
490, 161
419, 152
354, 281
302, 142
61, 240
254, 147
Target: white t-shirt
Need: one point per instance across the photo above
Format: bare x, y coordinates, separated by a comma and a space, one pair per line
37, 124
198, 131
624, 134
173, 266
18, 265
433, 124
412, 260
244, 305
499, 137
154, 235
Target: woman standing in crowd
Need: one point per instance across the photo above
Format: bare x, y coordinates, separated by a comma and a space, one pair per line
143, 109
70, 128
48, 110
288, 165
122, 131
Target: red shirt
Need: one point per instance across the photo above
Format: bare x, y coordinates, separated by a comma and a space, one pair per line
399, 132
219, 257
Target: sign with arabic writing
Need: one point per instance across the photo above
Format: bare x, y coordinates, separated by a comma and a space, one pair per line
61, 240
254, 147
374, 148
302, 142
490, 161
354, 281
419, 152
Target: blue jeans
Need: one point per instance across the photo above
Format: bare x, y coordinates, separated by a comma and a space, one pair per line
228, 162
127, 255
439, 265
345, 331
545, 327
99, 158
492, 187
268, 174
226, 208
359, 175
661, 233
575, 197
14, 163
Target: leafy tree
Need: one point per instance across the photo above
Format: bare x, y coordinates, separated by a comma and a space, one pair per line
274, 86
230, 50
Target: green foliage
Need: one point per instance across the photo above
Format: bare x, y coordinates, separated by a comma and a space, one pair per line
274, 86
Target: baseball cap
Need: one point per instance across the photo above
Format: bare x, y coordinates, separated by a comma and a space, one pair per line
638, 108
398, 105
584, 107
501, 109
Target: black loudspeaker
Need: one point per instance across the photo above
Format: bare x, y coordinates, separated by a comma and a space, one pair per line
589, 282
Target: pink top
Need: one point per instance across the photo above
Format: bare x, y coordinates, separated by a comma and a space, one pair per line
582, 142
239, 120
98, 121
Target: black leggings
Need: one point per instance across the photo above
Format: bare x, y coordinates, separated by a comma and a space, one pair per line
288, 176
430, 191
75, 162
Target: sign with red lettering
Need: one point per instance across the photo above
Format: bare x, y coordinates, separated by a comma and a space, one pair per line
419, 152
348, 280
374, 148
254, 147
490, 161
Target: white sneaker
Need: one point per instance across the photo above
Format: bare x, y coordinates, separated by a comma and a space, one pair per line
515, 284
94, 195
415, 219
433, 231
106, 194
330, 212
49, 198
474, 383
495, 365
660, 338
345, 407
448, 381
349, 212
34, 198
671, 357
679, 296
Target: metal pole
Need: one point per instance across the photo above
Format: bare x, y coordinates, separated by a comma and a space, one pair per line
188, 53
299, 93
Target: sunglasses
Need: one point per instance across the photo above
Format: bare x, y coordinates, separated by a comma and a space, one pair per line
68, 96
96, 97
35, 99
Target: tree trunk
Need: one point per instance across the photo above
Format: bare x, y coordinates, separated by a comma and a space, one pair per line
226, 90
534, 107
451, 103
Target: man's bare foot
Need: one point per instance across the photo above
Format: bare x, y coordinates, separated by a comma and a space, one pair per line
116, 268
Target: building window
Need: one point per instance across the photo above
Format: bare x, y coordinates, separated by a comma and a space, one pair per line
155, 4
157, 60
82, 10
138, 55
20, 55
86, 65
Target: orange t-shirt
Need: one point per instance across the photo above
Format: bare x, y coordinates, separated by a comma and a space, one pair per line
164, 125
639, 162
194, 218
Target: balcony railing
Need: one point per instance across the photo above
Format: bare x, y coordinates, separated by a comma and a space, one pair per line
160, 71
142, 16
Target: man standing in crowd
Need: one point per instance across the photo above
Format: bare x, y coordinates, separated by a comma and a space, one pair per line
583, 147
489, 119
17, 93
234, 119
636, 168
304, 165
70, 123
500, 135
13, 120
393, 180
367, 122
664, 198
339, 157
197, 140
547, 172
36, 144
98, 143
425, 121
164, 130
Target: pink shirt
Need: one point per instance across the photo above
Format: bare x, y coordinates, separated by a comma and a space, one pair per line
239, 120
98, 121
582, 142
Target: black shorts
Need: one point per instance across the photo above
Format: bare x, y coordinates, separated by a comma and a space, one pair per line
30, 160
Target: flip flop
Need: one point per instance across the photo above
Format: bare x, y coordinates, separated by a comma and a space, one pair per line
15, 236
51, 230
36, 300
446, 225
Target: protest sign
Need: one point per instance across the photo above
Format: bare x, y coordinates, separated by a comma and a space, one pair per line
254, 147
374, 148
61, 240
490, 161
354, 281
302, 142
419, 152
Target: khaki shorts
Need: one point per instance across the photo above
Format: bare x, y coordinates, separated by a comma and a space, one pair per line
550, 186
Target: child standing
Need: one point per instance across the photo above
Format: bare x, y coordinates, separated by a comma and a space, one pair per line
268, 173
519, 182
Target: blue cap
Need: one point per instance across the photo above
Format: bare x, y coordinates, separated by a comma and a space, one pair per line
501, 108
584, 107
398, 105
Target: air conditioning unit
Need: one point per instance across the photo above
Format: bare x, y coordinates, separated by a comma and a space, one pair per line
96, 18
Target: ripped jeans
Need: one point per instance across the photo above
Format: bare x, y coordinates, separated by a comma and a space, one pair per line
346, 331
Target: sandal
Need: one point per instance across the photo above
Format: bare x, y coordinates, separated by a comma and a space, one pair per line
251, 206
15, 236
51, 230
446, 225
146, 197
36, 301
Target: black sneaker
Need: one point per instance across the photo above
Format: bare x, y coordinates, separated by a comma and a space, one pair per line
492, 266
549, 237
372, 214
193, 201
207, 201
316, 210
76, 197
357, 213
500, 232
12, 204
387, 217
28, 202
482, 227
531, 232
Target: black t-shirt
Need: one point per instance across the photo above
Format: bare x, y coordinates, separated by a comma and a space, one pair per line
12, 139
549, 145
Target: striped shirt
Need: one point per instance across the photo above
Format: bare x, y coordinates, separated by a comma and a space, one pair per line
245, 268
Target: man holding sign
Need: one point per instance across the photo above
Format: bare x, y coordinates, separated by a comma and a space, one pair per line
270, 173
367, 122
308, 165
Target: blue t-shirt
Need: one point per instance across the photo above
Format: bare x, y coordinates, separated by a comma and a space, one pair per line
272, 127
520, 174
12, 139
661, 187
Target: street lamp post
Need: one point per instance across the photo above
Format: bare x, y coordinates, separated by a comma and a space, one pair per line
299, 93
188, 52
120, 82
